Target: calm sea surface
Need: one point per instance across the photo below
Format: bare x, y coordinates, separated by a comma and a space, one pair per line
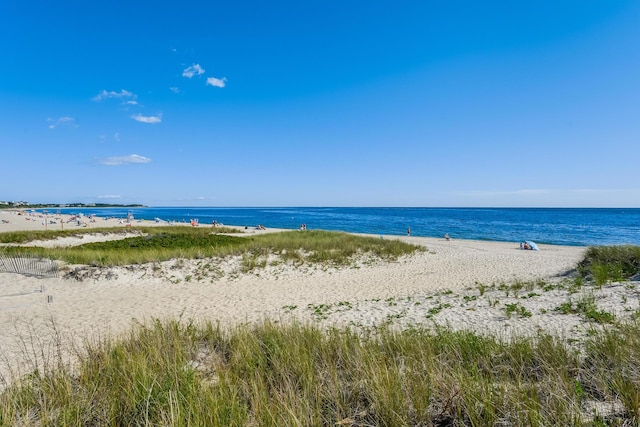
576, 227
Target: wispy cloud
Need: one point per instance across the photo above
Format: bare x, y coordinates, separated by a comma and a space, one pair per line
110, 196
212, 81
123, 94
105, 138
124, 160
174, 89
522, 192
62, 121
193, 70
147, 119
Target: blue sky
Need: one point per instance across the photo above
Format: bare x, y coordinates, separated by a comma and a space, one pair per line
334, 103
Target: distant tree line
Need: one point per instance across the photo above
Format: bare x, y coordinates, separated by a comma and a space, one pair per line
27, 205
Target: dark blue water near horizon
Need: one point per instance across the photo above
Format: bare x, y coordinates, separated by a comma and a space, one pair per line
560, 226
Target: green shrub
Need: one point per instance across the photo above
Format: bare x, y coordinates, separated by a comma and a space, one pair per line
610, 263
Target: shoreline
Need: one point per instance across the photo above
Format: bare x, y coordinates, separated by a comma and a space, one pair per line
22, 220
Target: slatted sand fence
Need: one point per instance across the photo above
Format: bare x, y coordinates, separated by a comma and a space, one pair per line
27, 265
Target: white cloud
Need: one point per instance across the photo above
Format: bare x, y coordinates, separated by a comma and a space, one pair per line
112, 94
147, 119
105, 138
62, 121
124, 160
174, 89
193, 70
212, 81
523, 192
110, 196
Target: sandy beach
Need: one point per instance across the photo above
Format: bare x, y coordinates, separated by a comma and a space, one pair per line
459, 283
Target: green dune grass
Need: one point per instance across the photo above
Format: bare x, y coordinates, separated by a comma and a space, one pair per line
180, 374
164, 243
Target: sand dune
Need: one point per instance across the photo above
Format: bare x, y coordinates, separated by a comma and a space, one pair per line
108, 300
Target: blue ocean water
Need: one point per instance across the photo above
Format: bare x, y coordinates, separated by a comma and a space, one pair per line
574, 227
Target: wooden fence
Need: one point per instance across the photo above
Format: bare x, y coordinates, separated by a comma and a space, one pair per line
28, 265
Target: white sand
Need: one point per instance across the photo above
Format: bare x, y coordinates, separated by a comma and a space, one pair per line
108, 301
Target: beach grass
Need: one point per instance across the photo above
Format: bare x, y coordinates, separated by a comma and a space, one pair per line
153, 244
25, 236
175, 373
605, 264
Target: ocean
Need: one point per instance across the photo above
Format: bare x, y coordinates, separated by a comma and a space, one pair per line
559, 226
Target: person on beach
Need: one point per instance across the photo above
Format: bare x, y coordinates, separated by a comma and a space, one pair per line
447, 237
408, 231
529, 245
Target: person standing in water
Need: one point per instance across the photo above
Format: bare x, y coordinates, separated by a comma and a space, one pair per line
408, 231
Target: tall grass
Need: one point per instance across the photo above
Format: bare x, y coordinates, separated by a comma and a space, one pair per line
610, 263
165, 243
31, 235
176, 374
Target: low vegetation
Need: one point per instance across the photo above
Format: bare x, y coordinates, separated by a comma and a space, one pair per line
177, 374
25, 236
153, 244
605, 264
19, 237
